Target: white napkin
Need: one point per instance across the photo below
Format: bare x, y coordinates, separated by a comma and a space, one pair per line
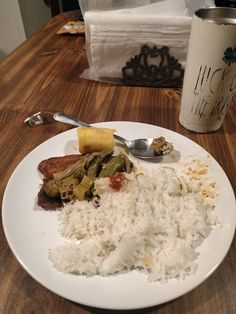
114, 36
110, 52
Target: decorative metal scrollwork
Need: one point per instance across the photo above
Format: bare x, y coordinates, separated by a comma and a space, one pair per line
153, 67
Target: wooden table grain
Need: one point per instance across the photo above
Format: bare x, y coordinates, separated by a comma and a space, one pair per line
43, 74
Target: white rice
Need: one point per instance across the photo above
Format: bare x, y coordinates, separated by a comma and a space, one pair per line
153, 224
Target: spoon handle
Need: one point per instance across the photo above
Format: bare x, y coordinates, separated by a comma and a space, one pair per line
62, 117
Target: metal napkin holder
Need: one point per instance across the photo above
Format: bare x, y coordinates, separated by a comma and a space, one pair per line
153, 66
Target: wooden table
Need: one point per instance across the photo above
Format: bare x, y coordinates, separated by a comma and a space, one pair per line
43, 74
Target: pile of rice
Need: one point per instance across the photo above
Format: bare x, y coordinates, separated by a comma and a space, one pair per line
152, 224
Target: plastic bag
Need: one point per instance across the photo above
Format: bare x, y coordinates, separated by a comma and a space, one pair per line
91, 5
117, 30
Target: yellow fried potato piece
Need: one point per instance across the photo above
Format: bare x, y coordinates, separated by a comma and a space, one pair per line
95, 139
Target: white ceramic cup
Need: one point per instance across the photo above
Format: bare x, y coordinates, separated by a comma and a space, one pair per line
210, 73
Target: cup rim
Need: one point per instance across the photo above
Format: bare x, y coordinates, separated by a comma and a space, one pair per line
218, 15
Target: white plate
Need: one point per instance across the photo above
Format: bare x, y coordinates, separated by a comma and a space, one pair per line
31, 231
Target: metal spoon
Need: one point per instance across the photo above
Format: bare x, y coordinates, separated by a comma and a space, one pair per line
141, 148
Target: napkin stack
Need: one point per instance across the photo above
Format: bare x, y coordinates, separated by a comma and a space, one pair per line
113, 37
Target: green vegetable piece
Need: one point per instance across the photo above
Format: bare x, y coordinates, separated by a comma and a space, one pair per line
67, 186
96, 163
87, 182
82, 191
114, 165
52, 189
93, 167
82, 163
79, 192
80, 173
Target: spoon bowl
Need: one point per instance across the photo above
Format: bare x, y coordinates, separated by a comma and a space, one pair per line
140, 148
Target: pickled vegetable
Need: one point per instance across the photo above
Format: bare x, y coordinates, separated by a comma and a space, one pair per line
117, 163
82, 163
82, 190
79, 173
77, 180
52, 188
96, 163
67, 186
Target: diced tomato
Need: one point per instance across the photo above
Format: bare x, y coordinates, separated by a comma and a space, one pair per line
116, 180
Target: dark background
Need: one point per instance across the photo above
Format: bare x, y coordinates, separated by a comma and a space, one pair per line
68, 5
226, 3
